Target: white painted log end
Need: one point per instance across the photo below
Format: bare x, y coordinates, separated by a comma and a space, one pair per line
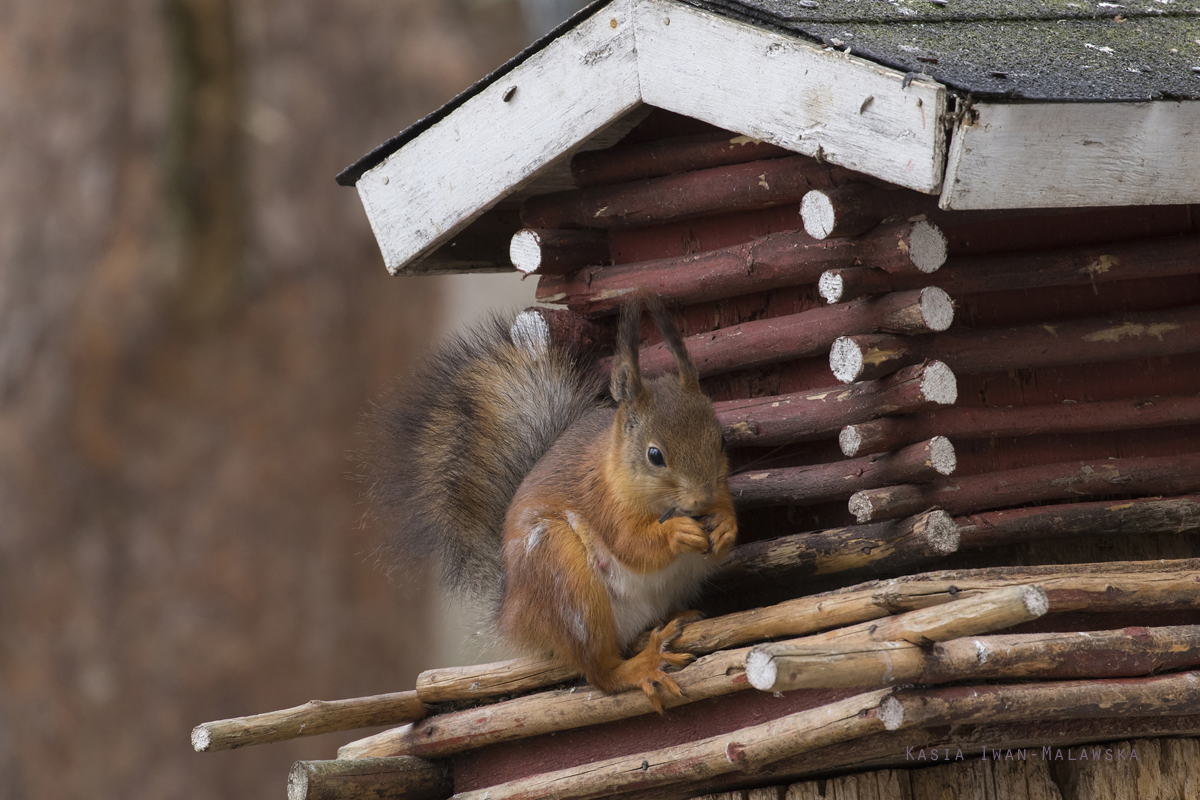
937, 308
1035, 600
816, 209
201, 738
525, 251
297, 785
891, 713
861, 507
845, 360
531, 333
849, 440
941, 455
938, 384
761, 670
830, 285
927, 247
941, 532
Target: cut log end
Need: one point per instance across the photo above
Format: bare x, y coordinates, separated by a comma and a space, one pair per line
1035, 600
941, 532
525, 251
201, 738
761, 670
816, 209
937, 308
850, 440
861, 507
941, 455
938, 384
831, 286
891, 713
927, 247
531, 333
846, 359
297, 784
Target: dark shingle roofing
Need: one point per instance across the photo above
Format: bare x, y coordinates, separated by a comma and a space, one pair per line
1025, 50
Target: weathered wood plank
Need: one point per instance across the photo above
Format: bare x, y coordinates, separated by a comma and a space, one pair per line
1031, 155
788, 92
439, 182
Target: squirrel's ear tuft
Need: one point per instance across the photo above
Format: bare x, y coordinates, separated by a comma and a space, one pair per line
689, 376
626, 382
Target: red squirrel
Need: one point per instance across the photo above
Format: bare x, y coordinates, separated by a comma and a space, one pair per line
584, 520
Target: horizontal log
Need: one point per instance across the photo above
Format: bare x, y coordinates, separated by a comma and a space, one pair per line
1097, 587
818, 413
775, 666
888, 433
1046, 656
1168, 695
737, 187
557, 252
744, 750
774, 261
808, 333
823, 483
310, 719
855, 208
1141, 259
1064, 738
538, 327
1162, 475
633, 162
883, 546
1107, 518
1052, 344
368, 779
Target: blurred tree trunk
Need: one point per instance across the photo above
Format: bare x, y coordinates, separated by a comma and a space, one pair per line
192, 318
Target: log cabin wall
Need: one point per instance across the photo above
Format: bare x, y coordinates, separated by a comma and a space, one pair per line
1013, 277
1075, 342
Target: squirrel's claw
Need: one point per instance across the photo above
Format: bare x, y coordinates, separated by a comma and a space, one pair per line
687, 536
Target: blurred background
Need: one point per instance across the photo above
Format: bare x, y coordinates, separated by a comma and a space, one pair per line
193, 318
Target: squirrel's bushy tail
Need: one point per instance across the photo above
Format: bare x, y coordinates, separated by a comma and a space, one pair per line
450, 448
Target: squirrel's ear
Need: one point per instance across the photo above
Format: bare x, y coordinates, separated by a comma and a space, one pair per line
626, 382
689, 376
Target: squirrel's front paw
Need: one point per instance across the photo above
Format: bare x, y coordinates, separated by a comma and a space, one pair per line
721, 529
686, 535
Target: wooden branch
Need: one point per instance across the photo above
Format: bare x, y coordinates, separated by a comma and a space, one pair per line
885, 546
1141, 259
888, 433
1167, 695
555, 252
738, 187
1162, 475
1053, 344
489, 680
1096, 587
808, 333
855, 208
560, 709
823, 483
815, 414
369, 778
310, 719
778, 666
1106, 518
1098, 654
634, 162
743, 750
769, 262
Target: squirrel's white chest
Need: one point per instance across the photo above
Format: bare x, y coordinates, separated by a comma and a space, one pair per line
641, 600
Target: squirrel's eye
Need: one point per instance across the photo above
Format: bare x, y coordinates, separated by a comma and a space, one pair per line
655, 457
